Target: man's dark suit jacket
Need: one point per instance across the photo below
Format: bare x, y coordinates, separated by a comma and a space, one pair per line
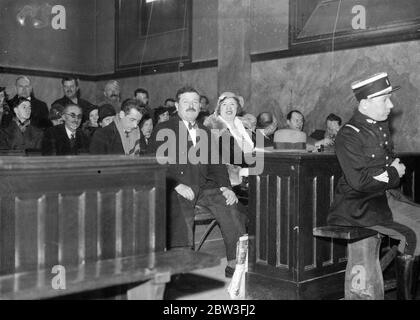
56, 142
39, 113
107, 140
84, 104
195, 176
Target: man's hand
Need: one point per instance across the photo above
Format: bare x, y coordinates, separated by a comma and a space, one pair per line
185, 191
325, 142
229, 195
399, 166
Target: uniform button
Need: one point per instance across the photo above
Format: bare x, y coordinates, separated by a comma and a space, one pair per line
182, 172
387, 165
386, 142
386, 157
380, 128
384, 134
373, 156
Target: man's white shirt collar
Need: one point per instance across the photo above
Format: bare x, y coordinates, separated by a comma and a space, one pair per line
69, 133
192, 132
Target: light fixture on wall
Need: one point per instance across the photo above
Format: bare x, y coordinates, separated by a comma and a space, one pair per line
148, 1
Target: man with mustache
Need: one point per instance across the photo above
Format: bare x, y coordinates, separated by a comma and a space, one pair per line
295, 120
72, 96
67, 138
368, 194
39, 113
112, 95
142, 96
191, 184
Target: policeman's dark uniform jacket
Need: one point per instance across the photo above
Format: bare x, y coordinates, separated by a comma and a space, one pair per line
364, 150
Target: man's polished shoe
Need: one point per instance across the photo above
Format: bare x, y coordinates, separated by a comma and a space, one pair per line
229, 271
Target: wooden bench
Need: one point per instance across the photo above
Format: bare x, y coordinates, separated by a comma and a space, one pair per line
363, 277
86, 223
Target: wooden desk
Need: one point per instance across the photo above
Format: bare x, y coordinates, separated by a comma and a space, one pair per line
287, 200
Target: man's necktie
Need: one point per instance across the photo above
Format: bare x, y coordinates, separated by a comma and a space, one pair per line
192, 125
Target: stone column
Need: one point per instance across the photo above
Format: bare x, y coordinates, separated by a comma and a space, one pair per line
234, 61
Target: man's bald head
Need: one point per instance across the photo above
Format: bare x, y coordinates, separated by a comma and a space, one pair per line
264, 119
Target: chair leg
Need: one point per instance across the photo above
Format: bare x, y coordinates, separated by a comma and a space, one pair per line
193, 237
205, 235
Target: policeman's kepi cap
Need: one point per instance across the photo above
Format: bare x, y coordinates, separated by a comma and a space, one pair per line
372, 87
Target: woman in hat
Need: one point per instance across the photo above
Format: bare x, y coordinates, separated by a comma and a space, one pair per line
106, 115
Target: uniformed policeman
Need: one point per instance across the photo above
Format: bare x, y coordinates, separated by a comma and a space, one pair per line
366, 194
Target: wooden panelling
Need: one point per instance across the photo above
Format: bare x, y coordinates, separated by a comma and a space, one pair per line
79, 213
290, 198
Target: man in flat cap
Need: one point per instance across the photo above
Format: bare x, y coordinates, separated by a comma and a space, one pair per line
367, 195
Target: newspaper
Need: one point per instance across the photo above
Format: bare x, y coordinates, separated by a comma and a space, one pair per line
236, 287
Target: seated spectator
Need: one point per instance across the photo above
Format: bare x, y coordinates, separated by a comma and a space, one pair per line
112, 95
71, 91
169, 103
295, 120
90, 126
67, 138
234, 139
142, 96
122, 136
39, 109
202, 116
161, 114
290, 140
56, 114
170, 106
21, 134
190, 184
5, 112
326, 137
146, 128
204, 103
267, 123
106, 115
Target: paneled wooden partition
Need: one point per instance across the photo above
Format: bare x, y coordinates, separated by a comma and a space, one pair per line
71, 210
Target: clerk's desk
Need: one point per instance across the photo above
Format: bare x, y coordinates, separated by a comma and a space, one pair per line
290, 197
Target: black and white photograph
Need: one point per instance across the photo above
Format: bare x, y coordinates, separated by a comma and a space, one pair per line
209, 154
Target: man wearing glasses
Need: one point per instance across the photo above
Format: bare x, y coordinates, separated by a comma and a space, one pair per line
67, 138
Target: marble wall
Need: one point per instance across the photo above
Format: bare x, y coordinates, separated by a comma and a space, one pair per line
319, 84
